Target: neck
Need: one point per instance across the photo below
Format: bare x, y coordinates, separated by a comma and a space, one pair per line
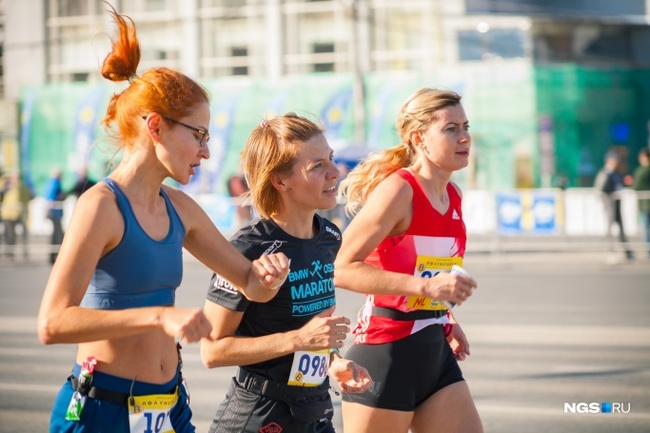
140, 181
434, 182
295, 224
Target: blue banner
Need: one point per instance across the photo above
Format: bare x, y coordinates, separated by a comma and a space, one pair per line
84, 128
333, 113
209, 173
378, 114
509, 213
25, 128
544, 213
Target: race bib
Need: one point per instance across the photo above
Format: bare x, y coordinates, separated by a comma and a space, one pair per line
309, 368
429, 267
150, 413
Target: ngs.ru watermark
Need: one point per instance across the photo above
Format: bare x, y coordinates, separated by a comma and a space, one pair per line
595, 407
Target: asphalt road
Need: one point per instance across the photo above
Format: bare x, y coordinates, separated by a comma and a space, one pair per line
549, 333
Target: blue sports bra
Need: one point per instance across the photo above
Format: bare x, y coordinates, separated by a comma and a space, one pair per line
139, 271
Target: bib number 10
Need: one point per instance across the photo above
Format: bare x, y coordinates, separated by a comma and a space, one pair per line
157, 424
151, 422
150, 413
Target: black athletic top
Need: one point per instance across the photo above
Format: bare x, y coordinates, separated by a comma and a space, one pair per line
308, 290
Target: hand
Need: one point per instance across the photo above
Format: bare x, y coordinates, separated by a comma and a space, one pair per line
458, 342
323, 331
188, 325
351, 377
271, 270
456, 288
628, 180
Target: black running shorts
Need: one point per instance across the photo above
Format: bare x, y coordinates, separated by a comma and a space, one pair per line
246, 412
406, 372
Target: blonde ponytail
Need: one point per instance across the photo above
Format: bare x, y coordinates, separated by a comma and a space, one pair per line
418, 112
376, 167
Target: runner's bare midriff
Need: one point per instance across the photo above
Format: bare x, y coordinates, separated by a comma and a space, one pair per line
150, 357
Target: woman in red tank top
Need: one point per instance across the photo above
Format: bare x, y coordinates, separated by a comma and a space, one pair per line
407, 234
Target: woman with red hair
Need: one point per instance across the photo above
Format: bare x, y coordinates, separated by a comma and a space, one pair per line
112, 288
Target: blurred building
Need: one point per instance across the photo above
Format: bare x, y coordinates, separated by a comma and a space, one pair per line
272, 38
532, 71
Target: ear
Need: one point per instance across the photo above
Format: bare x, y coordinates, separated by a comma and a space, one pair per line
279, 183
153, 122
415, 137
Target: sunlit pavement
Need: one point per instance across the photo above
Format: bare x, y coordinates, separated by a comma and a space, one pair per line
552, 335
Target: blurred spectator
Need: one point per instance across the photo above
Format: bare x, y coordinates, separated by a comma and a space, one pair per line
237, 189
13, 209
609, 181
82, 184
3, 182
641, 183
54, 196
2, 185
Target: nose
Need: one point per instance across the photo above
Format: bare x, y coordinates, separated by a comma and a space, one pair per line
335, 172
466, 137
204, 152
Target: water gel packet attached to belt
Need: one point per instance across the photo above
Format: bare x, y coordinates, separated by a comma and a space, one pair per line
79, 396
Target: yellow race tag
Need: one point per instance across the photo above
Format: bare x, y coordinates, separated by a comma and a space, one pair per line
150, 413
429, 267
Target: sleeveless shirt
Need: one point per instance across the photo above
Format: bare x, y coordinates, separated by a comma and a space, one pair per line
139, 271
434, 242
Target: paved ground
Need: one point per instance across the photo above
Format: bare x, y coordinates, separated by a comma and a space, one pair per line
546, 330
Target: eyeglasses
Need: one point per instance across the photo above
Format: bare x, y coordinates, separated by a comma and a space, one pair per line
205, 135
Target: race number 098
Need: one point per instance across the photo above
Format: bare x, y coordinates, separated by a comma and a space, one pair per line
318, 365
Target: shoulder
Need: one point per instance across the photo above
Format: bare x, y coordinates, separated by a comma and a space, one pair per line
255, 238
96, 209
395, 185
603, 180
457, 189
387, 209
98, 196
99, 204
641, 178
394, 193
187, 208
178, 197
329, 228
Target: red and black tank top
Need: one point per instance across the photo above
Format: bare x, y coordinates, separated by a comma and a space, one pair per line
434, 242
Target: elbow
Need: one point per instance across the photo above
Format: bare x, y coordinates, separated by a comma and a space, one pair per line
340, 279
46, 334
208, 362
209, 356
212, 363
260, 296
